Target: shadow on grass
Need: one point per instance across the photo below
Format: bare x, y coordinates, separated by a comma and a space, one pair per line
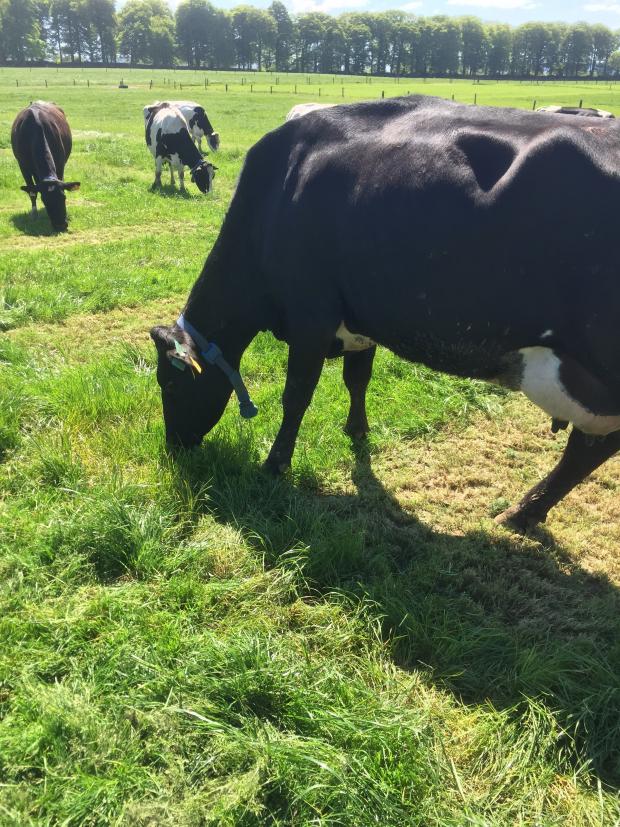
39, 226
489, 616
171, 191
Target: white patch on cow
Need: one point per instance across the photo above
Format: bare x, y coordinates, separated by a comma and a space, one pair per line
541, 383
301, 109
353, 341
546, 334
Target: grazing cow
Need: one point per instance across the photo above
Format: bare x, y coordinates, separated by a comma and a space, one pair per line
198, 123
41, 141
451, 235
168, 138
576, 110
301, 109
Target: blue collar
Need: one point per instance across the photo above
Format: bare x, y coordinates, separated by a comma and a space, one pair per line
211, 353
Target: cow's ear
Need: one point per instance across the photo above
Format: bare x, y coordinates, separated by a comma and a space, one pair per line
163, 338
71, 186
177, 347
29, 190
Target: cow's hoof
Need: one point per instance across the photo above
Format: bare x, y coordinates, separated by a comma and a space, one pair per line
518, 519
275, 468
357, 430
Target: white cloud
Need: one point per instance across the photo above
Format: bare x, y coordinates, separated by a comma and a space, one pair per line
495, 4
327, 6
608, 7
410, 6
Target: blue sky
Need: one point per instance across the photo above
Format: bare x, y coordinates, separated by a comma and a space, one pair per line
505, 11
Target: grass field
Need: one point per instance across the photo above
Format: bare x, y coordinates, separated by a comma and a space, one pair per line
196, 644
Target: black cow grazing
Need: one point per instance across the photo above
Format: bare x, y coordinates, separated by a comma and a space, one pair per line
450, 234
41, 141
576, 110
168, 138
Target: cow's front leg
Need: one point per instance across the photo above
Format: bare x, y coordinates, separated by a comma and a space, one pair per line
182, 179
33, 202
582, 456
356, 372
303, 372
171, 175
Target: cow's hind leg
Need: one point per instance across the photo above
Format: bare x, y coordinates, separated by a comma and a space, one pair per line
356, 372
583, 455
157, 181
305, 363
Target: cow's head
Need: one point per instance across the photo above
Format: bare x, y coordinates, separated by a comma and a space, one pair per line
193, 393
202, 175
214, 141
53, 196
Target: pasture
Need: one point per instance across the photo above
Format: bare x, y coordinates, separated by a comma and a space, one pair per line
193, 643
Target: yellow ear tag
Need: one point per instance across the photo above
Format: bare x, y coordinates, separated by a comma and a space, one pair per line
194, 364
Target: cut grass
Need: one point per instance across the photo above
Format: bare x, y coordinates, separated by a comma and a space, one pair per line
193, 643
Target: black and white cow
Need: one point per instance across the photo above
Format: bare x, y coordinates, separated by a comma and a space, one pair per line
198, 123
576, 110
41, 141
451, 235
168, 138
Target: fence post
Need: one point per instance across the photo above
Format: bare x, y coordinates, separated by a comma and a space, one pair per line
342, 90
534, 105
295, 89
251, 87
319, 91
475, 99
16, 82
271, 90
46, 84
227, 87
581, 103
151, 84
88, 83
383, 93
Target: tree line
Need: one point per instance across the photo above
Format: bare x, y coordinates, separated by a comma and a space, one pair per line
201, 36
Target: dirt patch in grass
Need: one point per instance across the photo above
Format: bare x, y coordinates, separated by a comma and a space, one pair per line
101, 235
456, 482
97, 331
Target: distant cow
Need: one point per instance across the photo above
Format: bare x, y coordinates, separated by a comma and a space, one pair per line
168, 138
576, 110
482, 242
198, 123
41, 141
301, 109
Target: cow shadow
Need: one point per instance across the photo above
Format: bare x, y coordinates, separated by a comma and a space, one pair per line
39, 226
489, 616
171, 191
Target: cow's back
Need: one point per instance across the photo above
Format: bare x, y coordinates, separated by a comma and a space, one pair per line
450, 214
39, 124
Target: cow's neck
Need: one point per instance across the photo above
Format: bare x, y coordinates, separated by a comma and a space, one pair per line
42, 158
188, 153
225, 298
